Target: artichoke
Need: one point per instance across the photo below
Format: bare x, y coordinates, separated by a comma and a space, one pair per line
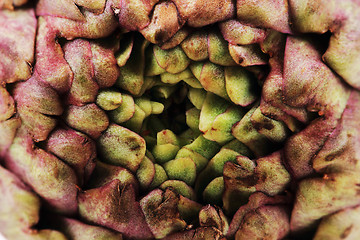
183, 119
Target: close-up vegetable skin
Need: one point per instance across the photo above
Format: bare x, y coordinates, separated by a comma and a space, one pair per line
192, 119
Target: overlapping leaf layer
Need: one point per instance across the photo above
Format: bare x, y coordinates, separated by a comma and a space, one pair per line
148, 119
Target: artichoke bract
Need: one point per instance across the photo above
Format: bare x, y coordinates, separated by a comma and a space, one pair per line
191, 119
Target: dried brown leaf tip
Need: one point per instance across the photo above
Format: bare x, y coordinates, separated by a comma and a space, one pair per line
10, 4
148, 119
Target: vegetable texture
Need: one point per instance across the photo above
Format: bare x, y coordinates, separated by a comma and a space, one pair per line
189, 119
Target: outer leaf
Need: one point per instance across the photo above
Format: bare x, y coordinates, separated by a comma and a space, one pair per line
17, 44
115, 208
200, 13
51, 178
265, 14
161, 212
